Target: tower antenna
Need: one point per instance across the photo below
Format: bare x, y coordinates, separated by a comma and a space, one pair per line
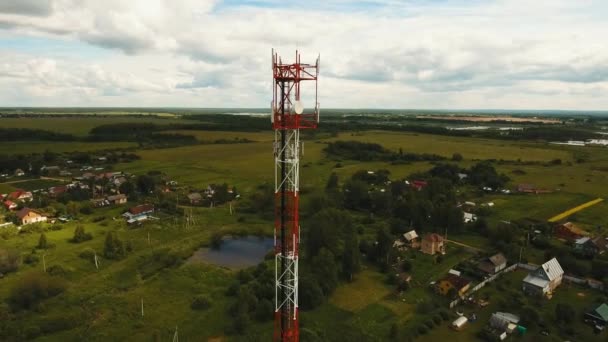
288, 116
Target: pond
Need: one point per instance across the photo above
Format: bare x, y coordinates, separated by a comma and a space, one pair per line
235, 252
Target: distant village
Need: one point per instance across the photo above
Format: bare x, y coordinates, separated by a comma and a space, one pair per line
93, 188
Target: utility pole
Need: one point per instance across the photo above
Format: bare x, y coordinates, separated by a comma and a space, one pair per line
96, 262
175, 335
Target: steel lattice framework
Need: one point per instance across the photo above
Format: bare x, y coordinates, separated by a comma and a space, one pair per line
288, 117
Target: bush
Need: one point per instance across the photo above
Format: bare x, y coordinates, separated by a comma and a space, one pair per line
429, 324
32, 289
200, 302
88, 254
422, 330
57, 270
56, 227
80, 235
31, 259
437, 319
9, 260
444, 315
86, 210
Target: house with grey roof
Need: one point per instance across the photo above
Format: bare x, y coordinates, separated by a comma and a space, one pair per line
493, 264
544, 280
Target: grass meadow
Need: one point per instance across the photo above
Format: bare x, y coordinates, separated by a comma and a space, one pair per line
106, 303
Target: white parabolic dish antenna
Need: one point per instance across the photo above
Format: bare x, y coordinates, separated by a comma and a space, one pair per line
298, 107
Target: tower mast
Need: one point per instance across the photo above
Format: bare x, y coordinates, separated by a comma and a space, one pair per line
287, 119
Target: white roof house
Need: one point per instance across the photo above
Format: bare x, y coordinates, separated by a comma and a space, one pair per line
545, 278
469, 217
411, 235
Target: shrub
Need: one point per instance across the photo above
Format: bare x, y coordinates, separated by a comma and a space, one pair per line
437, 319
80, 235
32, 289
429, 324
57, 270
422, 330
200, 302
88, 254
31, 259
56, 227
444, 315
9, 260
42, 242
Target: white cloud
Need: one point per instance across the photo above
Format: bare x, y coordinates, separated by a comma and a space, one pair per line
390, 54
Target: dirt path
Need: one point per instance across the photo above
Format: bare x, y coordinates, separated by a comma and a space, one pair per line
465, 245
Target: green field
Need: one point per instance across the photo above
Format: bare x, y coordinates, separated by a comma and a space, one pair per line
29, 147
106, 303
79, 125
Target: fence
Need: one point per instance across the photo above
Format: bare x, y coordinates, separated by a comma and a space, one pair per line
530, 267
484, 283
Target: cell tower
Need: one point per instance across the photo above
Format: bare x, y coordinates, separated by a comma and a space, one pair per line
288, 117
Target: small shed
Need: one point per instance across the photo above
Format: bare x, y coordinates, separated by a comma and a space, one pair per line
459, 323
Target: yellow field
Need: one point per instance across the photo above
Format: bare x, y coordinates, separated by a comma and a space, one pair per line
575, 209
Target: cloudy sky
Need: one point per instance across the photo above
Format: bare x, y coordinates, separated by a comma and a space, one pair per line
432, 54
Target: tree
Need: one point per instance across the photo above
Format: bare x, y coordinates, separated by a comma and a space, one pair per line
310, 292
332, 182
564, 313
356, 195
456, 157
9, 260
113, 247
384, 244
325, 230
145, 184
326, 270
127, 188
32, 289
13, 218
72, 208
351, 257
80, 235
264, 309
42, 243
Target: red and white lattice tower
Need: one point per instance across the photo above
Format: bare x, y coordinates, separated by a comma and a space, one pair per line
288, 117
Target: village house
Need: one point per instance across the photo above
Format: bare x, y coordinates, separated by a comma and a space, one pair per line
544, 280
460, 285
19, 173
195, 198
56, 191
139, 213
504, 323
493, 264
21, 195
399, 245
118, 181
569, 232
28, 216
10, 205
599, 315
50, 170
586, 246
411, 239
432, 244
117, 199
419, 184
602, 244
99, 202
468, 217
